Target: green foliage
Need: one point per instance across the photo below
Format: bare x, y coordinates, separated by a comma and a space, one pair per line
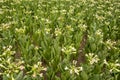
45, 36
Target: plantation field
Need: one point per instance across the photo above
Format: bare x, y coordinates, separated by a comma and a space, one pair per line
59, 39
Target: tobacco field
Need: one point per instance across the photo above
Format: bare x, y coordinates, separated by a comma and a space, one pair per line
59, 39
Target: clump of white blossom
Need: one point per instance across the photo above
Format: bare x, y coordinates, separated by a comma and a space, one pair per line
73, 69
69, 50
92, 58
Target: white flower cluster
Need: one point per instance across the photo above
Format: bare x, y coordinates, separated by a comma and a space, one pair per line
69, 50
113, 67
36, 69
92, 58
58, 31
20, 30
73, 69
8, 51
